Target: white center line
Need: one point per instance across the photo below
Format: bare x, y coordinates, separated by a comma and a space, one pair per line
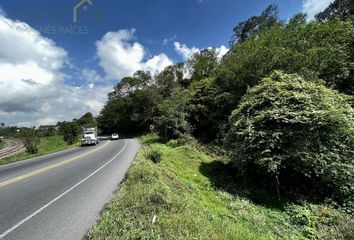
3, 235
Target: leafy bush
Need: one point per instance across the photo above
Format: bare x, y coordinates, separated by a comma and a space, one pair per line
319, 221
297, 132
71, 132
31, 140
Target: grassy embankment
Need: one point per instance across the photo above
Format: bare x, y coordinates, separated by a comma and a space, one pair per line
47, 145
195, 196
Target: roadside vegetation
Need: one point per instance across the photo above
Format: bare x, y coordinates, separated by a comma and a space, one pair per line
279, 104
189, 194
31, 139
277, 108
47, 145
295, 134
47, 139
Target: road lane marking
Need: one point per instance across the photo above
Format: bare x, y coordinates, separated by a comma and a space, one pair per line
25, 176
3, 235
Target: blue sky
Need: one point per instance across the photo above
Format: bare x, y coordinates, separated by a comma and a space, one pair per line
111, 39
193, 22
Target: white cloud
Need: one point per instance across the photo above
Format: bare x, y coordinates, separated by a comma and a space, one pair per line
221, 51
20, 44
32, 82
312, 7
29, 66
168, 40
186, 53
91, 76
157, 63
119, 56
67, 103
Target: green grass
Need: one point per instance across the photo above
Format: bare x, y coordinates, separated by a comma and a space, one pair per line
47, 145
2, 144
195, 196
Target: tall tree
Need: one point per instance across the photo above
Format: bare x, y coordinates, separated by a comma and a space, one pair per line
129, 85
169, 79
174, 114
131, 106
246, 29
87, 120
203, 64
343, 9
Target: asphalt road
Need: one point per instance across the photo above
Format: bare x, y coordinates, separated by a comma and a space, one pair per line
60, 196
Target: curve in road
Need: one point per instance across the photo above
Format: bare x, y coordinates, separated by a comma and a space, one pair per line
60, 196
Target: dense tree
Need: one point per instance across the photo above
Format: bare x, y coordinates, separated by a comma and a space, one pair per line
284, 127
295, 131
319, 50
131, 106
71, 132
60, 126
208, 109
174, 115
114, 116
8, 131
87, 120
47, 130
297, 20
203, 64
252, 26
169, 79
129, 85
342, 9
322, 50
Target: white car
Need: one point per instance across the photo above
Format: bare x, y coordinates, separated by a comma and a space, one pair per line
115, 136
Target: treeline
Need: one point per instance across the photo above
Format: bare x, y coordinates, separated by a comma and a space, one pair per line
87, 120
279, 100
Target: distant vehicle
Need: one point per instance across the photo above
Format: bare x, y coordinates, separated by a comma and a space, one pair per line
115, 136
89, 136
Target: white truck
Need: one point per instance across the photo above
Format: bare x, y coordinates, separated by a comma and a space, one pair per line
89, 136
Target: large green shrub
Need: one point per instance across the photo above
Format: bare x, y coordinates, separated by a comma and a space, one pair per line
295, 132
71, 132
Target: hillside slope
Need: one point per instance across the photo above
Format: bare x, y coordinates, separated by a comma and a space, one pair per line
194, 196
